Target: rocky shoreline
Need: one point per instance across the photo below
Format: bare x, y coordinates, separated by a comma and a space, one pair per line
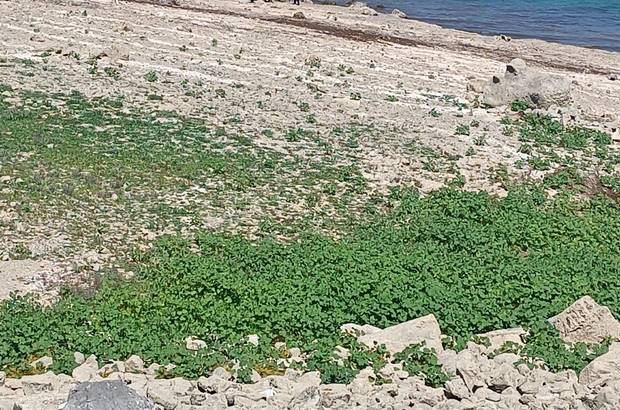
480, 376
412, 82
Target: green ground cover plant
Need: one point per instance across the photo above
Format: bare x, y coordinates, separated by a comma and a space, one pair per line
478, 263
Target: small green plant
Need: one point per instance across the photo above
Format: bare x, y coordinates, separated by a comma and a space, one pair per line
310, 119
470, 151
220, 92
391, 98
350, 70
214, 42
151, 77
434, 113
183, 48
112, 72
421, 361
304, 106
520, 105
462, 129
355, 96
237, 56
480, 140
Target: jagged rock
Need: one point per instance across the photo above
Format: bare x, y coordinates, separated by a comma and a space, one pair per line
602, 369
397, 338
399, 14
134, 365
520, 82
299, 15
363, 9
586, 321
106, 395
39, 383
44, 362
87, 371
469, 370
457, 388
504, 376
162, 393
477, 85
79, 357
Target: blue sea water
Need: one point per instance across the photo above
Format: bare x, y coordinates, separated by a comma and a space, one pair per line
589, 23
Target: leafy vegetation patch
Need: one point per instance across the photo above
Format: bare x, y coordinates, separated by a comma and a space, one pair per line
476, 262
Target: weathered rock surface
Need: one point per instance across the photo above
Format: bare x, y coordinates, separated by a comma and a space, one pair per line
397, 338
520, 82
603, 369
586, 321
106, 395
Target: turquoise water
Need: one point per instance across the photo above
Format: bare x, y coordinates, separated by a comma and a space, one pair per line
590, 23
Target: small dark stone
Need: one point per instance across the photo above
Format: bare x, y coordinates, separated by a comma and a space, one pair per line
299, 15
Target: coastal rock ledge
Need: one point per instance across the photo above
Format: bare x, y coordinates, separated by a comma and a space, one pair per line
481, 377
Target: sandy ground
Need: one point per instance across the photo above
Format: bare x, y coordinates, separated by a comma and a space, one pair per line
400, 68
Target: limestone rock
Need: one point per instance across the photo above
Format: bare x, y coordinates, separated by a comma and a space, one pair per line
397, 338
134, 365
363, 9
39, 383
44, 362
399, 14
520, 82
602, 369
161, 392
192, 343
357, 329
586, 321
299, 15
497, 338
106, 395
87, 371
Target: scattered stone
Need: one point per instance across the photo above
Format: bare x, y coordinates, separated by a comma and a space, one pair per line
106, 395
86, 371
397, 338
44, 362
520, 82
586, 321
253, 340
299, 15
192, 343
399, 14
134, 365
79, 357
476, 85
603, 369
498, 338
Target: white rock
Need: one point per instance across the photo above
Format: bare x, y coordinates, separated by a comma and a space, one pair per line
602, 369
161, 392
192, 343
397, 338
253, 340
44, 362
86, 371
134, 365
586, 321
79, 357
499, 337
399, 14
457, 388
39, 383
357, 329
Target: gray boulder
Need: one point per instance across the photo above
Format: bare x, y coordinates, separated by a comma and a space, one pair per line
520, 82
106, 395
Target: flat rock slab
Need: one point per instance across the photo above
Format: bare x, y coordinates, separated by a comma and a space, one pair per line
397, 338
106, 395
